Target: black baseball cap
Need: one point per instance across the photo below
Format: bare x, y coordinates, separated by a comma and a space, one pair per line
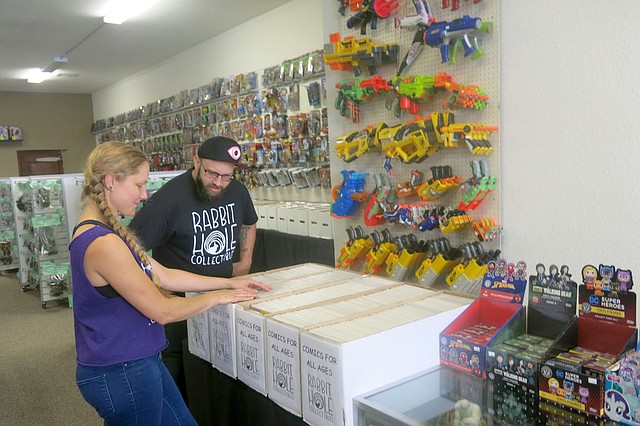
221, 148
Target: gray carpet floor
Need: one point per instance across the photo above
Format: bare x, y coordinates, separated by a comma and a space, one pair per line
37, 361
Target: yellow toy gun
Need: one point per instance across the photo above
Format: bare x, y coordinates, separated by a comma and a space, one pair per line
378, 254
354, 249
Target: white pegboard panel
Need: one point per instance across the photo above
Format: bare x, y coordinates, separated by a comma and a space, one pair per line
483, 72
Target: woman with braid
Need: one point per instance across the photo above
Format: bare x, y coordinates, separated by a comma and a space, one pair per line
119, 304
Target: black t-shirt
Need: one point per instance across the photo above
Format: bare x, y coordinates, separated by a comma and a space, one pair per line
186, 233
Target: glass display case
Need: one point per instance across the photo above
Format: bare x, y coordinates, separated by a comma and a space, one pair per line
443, 396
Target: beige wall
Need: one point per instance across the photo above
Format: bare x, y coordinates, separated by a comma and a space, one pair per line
48, 121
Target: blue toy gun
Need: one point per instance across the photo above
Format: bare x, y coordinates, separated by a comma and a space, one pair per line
445, 34
349, 194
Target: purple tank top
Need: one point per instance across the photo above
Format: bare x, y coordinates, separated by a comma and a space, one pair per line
107, 330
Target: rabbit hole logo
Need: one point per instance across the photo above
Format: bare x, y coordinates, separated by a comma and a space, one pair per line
320, 397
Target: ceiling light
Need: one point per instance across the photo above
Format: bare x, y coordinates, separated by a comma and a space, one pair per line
38, 76
118, 11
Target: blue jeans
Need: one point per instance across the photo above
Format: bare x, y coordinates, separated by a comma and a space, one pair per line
139, 392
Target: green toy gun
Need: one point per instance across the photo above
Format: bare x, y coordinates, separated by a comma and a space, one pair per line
355, 91
412, 90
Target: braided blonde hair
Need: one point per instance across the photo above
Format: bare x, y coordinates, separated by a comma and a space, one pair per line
121, 160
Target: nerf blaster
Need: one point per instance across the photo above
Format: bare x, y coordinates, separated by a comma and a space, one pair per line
354, 249
410, 187
473, 136
378, 254
371, 11
441, 182
446, 36
454, 220
355, 91
402, 264
459, 32
379, 202
411, 142
413, 90
475, 190
349, 194
440, 259
466, 277
351, 54
355, 144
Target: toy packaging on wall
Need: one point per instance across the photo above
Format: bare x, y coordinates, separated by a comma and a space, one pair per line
603, 330
496, 316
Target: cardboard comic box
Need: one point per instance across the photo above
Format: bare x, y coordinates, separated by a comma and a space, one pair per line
344, 359
551, 306
603, 330
494, 317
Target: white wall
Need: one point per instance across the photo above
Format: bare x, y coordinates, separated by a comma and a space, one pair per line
570, 165
570, 161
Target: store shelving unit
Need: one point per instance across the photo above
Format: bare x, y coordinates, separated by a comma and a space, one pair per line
9, 258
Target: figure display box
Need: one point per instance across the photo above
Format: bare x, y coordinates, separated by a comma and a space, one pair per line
496, 316
551, 306
603, 330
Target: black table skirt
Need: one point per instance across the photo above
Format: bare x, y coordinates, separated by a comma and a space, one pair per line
275, 249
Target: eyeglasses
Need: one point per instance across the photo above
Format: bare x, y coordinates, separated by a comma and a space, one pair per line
210, 174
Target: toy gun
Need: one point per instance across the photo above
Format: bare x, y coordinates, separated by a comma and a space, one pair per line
355, 144
355, 91
454, 4
371, 11
379, 201
421, 20
441, 259
354, 249
466, 277
402, 264
378, 254
441, 182
486, 229
416, 89
349, 194
410, 187
352, 53
478, 187
454, 220
411, 142
474, 136
443, 35
463, 31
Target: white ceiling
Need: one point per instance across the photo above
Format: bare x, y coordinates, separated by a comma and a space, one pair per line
33, 32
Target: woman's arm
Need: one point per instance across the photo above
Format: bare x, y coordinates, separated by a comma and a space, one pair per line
109, 261
179, 280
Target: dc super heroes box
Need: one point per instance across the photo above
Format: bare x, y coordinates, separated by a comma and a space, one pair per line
496, 316
551, 306
603, 330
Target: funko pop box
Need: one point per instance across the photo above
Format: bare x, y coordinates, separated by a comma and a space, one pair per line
551, 306
495, 316
606, 326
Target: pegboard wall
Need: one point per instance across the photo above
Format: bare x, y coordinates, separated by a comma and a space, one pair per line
482, 71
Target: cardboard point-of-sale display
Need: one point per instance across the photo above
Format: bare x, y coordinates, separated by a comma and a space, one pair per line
494, 317
574, 372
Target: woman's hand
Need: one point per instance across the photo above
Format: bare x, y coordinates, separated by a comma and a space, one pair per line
234, 295
247, 283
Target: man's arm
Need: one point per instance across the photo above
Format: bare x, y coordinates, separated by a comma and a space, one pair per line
247, 240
